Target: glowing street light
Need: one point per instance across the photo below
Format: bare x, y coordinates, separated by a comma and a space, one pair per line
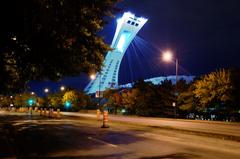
32, 93
46, 90
30, 102
62, 88
93, 76
68, 104
14, 38
167, 56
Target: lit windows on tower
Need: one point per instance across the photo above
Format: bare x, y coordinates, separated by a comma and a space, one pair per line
122, 40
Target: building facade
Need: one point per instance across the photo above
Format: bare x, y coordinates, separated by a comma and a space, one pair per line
127, 28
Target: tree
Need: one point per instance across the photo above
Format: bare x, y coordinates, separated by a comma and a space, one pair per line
55, 99
114, 99
129, 99
49, 39
83, 100
75, 100
19, 101
25, 99
70, 96
235, 78
214, 87
5, 101
41, 101
188, 103
146, 99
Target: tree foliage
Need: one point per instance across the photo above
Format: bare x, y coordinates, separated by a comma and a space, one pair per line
146, 99
214, 87
55, 99
70, 96
50, 39
5, 101
114, 99
77, 99
20, 100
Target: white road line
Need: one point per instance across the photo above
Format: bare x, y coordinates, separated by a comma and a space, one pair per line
103, 142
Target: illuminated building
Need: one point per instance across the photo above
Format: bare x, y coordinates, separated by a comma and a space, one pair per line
127, 28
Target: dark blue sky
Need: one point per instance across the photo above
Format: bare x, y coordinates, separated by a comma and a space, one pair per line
204, 33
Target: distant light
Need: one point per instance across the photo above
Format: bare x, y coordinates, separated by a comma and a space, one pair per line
123, 110
30, 102
14, 38
62, 88
167, 56
174, 104
68, 104
11, 105
32, 93
46, 90
11, 96
93, 76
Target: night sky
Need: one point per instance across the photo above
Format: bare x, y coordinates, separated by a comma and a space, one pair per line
204, 34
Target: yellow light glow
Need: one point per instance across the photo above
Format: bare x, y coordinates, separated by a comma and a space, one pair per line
167, 56
93, 76
46, 90
62, 88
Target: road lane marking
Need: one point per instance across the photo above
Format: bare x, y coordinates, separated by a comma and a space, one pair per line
101, 141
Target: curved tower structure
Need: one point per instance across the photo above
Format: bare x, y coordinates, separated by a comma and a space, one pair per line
127, 28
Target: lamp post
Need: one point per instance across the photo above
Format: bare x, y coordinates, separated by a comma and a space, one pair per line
93, 77
167, 56
99, 90
46, 90
62, 88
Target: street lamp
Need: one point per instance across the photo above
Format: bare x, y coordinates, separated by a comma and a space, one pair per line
92, 76
167, 56
62, 88
32, 93
46, 90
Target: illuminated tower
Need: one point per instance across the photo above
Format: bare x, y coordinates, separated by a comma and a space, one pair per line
127, 28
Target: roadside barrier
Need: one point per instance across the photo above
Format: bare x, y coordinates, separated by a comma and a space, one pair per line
98, 114
30, 110
58, 113
105, 119
41, 111
45, 112
51, 112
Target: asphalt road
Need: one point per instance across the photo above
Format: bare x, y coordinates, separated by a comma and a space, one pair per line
23, 136
212, 127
